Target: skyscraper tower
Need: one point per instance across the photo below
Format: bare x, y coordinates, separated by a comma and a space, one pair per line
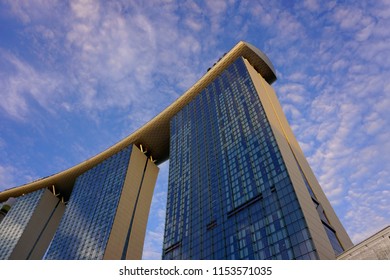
239, 184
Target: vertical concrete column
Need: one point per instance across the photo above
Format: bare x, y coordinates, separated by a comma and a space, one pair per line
140, 219
129, 227
47, 234
40, 228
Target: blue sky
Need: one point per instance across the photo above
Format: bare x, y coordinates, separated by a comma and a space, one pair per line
78, 76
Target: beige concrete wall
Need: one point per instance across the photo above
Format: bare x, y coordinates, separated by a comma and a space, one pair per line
126, 205
137, 236
30, 242
48, 234
129, 209
291, 153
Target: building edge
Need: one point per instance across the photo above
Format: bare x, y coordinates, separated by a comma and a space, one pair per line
297, 163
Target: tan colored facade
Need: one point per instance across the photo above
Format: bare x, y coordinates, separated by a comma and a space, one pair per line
128, 231
40, 229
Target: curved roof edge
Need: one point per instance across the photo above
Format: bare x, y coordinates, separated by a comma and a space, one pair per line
154, 135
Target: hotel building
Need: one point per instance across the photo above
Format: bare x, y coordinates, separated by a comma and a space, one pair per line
239, 185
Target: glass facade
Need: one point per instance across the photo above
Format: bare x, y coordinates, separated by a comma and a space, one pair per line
16, 220
86, 225
229, 194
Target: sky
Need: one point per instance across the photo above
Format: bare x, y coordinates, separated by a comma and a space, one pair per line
78, 76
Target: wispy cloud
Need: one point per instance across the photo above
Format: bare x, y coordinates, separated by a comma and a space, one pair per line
21, 82
11, 174
6, 177
333, 88
115, 53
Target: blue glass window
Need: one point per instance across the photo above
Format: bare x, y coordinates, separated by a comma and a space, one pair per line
15, 222
229, 194
86, 224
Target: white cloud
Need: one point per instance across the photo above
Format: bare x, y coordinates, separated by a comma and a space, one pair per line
366, 203
373, 123
20, 81
339, 65
311, 5
31, 10
365, 32
6, 177
291, 88
114, 53
217, 6
194, 24
11, 175
297, 77
152, 247
86, 9
348, 17
292, 111
382, 9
